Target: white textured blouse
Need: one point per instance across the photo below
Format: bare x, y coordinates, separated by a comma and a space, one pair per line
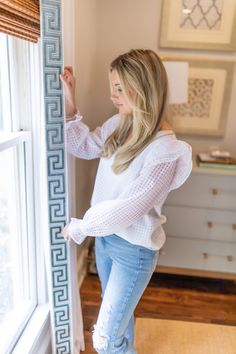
128, 204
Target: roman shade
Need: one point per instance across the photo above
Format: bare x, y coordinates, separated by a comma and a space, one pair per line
20, 18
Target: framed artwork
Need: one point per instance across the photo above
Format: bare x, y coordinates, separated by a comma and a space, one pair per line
209, 90
198, 24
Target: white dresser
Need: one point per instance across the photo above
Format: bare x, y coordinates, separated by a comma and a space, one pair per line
201, 226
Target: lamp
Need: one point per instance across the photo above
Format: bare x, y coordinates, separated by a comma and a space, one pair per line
177, 73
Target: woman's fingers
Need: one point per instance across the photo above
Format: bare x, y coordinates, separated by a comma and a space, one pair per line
69, 82
65, 232
67, 77
68, 72
69, 68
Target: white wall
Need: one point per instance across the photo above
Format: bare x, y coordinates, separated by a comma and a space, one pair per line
85, 68
107, 28
123, 25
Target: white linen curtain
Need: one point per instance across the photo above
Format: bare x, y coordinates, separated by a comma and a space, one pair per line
65, 307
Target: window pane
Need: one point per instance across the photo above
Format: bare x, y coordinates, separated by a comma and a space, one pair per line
1, 110
18, 272
16, 296
5, 101
6, 258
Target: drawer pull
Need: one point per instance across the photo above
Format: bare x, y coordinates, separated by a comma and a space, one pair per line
209, 224
215, 191
234, 226
205, 255
230, 258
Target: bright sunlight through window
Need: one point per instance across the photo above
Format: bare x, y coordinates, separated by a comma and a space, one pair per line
18, 261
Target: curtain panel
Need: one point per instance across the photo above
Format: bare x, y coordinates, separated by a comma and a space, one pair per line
65, 306
20, 18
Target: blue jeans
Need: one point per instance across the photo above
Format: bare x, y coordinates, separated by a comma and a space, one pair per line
124, 270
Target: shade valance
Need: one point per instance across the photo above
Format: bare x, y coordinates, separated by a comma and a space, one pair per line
20, 18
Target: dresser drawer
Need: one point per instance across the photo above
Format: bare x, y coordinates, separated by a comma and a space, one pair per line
208, 224
198, 254
202, 190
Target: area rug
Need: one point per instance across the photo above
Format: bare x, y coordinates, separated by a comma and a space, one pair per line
158, 336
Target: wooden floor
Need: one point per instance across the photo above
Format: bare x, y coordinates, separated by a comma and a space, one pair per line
169, 297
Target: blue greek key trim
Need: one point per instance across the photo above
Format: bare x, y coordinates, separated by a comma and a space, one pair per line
54, 117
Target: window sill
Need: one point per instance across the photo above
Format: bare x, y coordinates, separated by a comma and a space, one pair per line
36, 337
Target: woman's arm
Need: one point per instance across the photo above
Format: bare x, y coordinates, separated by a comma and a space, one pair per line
86, 144
110, 216
81, 142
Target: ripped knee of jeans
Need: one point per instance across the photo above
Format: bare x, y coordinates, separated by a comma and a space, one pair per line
100, 340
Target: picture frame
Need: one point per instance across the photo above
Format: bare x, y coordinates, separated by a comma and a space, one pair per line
199, 25
209, 91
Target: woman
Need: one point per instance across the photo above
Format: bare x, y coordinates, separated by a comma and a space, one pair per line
141, 161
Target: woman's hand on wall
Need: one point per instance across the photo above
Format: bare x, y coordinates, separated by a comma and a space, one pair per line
68, 79
65, 232
72, 232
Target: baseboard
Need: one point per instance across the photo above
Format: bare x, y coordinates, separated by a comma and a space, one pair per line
195, 272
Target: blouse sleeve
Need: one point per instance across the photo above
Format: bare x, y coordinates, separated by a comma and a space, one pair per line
108, 217
86, 144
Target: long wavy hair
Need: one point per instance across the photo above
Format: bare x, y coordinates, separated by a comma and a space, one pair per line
143, 81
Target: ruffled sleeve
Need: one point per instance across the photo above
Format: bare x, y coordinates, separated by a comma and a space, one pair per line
133, 203
164, 169
173, 150
86, 144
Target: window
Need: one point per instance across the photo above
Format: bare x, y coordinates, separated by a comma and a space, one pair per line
20, 291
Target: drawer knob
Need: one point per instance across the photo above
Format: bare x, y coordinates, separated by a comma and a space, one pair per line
234, 226
209, 224
215, 191
230, 258
205, 255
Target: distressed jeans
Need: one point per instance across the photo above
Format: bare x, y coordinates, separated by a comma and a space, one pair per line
124, 270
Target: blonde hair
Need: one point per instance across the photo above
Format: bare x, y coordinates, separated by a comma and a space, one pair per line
144, 83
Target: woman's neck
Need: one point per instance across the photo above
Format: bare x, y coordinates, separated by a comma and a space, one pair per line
166, 126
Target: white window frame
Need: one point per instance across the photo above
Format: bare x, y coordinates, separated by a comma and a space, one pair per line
34, 332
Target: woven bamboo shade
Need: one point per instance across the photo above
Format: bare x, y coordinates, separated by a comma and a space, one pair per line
20, 18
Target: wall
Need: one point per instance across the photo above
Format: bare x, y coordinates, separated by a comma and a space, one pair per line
114, 27
85, 67
124, 25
